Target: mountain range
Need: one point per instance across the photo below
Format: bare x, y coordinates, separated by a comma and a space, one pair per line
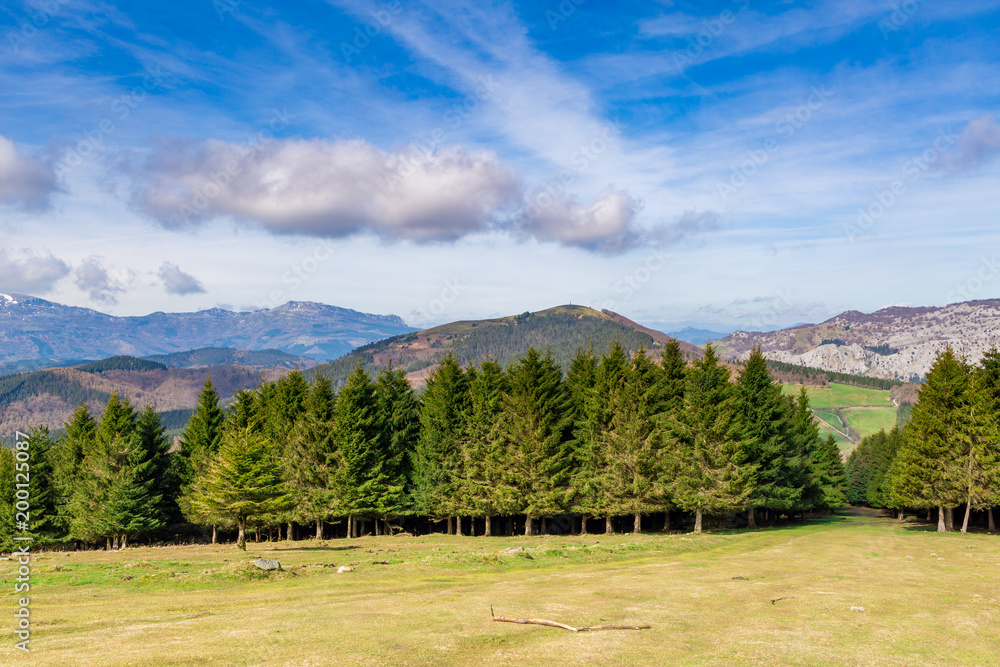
897, 343
39, 333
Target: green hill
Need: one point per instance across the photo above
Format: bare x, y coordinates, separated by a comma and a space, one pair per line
561, 330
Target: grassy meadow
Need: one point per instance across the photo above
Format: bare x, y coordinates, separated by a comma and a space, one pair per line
865, 410
775, 596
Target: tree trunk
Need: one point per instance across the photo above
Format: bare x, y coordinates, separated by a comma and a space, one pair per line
949, 518
608, 528
929, 510
583, 524
697, 521
542, 530
989, 515
666, 521
751, 523
527, 525
124, 542
350, 526
942, 524
291, 532
637, 524
215, 534
489, 530
458, 525
902, 515
965, 521
241, 536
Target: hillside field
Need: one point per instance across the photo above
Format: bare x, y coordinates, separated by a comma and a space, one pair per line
864, 410
775, 596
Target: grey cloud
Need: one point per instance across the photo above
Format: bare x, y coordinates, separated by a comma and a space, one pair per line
30, 272
24, 182
606, 224
329, 189
92, 277
176, 281
688, 225
978, 144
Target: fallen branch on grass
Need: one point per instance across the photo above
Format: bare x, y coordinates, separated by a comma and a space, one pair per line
554, 624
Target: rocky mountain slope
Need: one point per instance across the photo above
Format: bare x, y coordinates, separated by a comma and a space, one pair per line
895, 343
52, 334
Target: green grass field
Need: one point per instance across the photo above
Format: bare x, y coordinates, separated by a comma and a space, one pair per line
865, 410
776, 596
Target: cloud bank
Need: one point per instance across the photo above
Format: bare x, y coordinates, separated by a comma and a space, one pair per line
24, 182
30, 272
178, 282
336, 189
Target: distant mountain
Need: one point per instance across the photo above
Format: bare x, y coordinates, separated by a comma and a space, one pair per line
39, 331
561, 330
48, 397
227, 356
895, 343
697, 336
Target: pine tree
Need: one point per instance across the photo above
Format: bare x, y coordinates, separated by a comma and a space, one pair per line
242, 481
364, 476
593, 497
313, 458
43, 518
201, 436
438, 457
67, 457
709, 472
482, 484
672, 377
155, 448
987, 424
771, 443
633, 443
398, 425
831, 476
810, 443
931, 469
534, 431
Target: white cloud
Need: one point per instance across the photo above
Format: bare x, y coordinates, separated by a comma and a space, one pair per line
605, 224
330, 189
30, 272
176, 281
92, 277
23, 182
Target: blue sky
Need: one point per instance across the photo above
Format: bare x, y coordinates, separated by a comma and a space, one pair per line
735, 164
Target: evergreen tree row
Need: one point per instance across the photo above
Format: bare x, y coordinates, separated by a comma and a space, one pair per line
613, 437
948, 453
